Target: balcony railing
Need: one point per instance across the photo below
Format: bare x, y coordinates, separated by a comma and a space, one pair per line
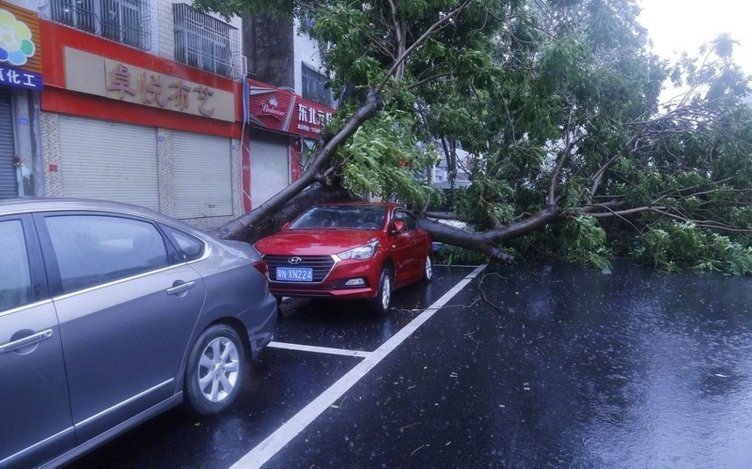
124, 21
205, 42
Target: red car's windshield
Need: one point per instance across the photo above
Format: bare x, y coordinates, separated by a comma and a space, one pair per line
358, 217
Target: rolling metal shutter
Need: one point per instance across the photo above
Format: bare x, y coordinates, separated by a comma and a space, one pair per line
203, 175
8, 181
107, 160
270, 167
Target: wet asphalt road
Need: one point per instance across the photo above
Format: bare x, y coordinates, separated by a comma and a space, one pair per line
531, 366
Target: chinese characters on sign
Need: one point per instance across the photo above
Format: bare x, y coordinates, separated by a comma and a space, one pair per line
282, 110
20, 57
114, 79
205, 95
311, 119
152, 90
120, 81
20, 78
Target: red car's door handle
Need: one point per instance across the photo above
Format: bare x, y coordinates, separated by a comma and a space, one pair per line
178, 289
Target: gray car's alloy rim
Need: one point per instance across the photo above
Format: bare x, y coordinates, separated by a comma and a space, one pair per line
429, 268
218, 369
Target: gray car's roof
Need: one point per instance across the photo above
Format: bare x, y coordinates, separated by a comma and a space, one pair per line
34, 204
47, 204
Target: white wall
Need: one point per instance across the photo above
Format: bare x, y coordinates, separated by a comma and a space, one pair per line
306, 51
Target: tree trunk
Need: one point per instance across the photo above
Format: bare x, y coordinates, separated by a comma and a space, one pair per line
488, 241
315, 193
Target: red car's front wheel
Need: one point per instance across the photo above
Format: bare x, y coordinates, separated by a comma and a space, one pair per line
380, 304
428, 271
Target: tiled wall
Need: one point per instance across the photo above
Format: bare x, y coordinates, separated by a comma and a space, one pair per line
53, 180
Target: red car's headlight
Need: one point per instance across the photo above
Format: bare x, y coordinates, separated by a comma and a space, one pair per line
361, 252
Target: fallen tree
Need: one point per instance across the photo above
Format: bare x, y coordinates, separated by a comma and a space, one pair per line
362, 106
557, 105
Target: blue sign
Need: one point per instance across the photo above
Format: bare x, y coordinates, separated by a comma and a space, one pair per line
20, 79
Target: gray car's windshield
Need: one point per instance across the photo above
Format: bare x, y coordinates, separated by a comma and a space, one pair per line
359, 217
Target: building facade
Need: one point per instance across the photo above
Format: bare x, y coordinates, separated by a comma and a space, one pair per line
289, 102
141, 105
146, 102
283, 127
281, 54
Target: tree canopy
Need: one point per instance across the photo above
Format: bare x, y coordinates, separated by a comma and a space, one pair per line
557, 103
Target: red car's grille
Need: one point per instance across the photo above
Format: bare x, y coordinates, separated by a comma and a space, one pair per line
321, 265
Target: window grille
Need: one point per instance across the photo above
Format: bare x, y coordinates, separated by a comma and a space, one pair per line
314, 86
205, 42
125, 21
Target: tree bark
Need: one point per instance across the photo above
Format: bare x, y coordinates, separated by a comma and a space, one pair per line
488, 241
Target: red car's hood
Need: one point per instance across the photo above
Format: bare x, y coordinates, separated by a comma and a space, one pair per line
314, 242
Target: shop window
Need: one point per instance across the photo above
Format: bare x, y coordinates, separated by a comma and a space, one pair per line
314, 87
124, 21
203, 41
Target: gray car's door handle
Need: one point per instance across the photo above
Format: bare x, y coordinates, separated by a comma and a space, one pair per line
26, 341
183, 287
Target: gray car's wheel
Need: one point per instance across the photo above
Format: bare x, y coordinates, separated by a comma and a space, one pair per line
216, 370
428, 271
383, 299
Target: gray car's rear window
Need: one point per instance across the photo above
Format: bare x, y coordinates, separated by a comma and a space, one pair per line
189, 247
92, 249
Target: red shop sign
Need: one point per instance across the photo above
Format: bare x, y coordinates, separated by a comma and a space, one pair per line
284, 111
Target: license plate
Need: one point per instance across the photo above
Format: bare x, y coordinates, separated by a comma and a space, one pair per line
294, 274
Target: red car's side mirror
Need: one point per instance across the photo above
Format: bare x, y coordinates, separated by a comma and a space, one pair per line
284, 227
399, 226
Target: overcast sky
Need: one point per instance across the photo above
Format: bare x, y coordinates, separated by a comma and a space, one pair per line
683, 25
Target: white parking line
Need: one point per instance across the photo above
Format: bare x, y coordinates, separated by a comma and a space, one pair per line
290, 429
311, 348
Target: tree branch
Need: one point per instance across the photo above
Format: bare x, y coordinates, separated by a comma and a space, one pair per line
420, 82
399, 38
599, 175
564, 154
487, 241
398, 63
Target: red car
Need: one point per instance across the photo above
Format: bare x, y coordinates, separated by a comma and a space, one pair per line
348, 250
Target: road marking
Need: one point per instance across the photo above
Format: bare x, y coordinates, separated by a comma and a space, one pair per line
311, 348
265, 450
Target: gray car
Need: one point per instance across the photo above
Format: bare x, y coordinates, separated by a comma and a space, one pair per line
111, 314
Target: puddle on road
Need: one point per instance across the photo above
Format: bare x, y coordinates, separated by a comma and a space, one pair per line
651, 369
